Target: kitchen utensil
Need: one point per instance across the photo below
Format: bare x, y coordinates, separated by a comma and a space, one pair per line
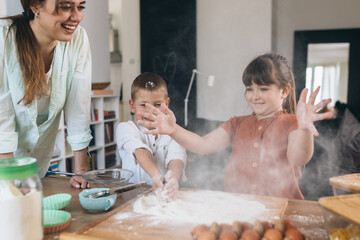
96, 204
114, 176
116, 190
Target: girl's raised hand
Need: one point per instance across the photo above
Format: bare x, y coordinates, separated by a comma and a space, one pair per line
158, 120
306, 112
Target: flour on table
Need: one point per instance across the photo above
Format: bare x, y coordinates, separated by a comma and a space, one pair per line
202, 207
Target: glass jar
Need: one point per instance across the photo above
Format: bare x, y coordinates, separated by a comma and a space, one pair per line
20, 199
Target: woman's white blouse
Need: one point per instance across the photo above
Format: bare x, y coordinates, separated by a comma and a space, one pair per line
70, 91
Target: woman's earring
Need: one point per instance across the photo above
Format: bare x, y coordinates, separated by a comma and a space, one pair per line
36, 14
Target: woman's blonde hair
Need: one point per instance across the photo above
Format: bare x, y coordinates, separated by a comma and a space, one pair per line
272, 69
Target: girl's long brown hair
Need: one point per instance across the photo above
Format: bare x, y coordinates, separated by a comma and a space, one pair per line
28, 51
272, 69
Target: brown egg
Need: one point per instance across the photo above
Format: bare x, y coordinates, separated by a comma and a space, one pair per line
207, 235
273, 234
280, 226
294, 234
237, 228
198, 230
258, 227
225, 226
215, 228
228, 235
267, 225
250, 234
288, 224
246, 225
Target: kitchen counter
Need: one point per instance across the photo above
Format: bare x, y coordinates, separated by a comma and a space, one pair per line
307, 216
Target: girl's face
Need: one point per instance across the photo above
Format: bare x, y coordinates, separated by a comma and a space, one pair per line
142, 96
52, 26
265, 100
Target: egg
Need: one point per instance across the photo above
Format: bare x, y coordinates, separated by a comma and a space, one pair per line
207, 235
258, 227
198, 230
215, 228
225, 226
250, 234
280, 226
273, 234
228, 235
294, 234
288, 224
267, 225
237, 228
246, 225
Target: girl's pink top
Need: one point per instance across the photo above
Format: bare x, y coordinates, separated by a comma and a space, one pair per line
258, 162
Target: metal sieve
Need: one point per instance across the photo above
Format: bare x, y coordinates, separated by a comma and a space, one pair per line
102, 176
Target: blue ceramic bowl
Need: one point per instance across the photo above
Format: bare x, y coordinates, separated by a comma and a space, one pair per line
100, 204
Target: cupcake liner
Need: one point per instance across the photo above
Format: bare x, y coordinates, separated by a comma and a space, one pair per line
55, 221
56, 201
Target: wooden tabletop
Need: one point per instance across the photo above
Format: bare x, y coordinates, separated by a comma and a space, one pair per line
307, 216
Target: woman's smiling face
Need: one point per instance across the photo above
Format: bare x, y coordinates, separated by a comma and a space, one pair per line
57, 19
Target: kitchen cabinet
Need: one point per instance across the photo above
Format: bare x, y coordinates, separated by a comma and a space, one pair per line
102, 148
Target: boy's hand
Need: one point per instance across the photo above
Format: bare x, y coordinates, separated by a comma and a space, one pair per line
160, 120
157, 183
171, 185
306, 112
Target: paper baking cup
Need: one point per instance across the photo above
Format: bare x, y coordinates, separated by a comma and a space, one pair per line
57, 201
55, 221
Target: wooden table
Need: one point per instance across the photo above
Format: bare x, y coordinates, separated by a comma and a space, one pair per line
307, 216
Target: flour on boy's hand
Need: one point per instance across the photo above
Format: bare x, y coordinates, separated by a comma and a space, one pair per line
162, 195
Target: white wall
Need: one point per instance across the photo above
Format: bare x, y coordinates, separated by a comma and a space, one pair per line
291, 15
127, 20
3, 8
96, 23
230, 33
13, 7
115, 9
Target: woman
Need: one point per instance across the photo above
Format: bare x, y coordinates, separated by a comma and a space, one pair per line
45, 67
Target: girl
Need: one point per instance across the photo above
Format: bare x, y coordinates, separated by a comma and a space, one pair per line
268, 146
45, 67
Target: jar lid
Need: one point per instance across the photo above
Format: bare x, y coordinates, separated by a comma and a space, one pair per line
17, 168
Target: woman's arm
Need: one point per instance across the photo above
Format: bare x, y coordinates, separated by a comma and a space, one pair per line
164, 122
301, 141
77, 106
81, 166
6, 155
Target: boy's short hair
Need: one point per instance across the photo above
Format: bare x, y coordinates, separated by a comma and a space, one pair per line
148, 81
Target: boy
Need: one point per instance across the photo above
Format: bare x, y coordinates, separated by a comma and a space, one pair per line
156, 159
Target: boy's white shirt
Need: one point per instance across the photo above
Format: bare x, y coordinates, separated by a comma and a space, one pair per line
130, 136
